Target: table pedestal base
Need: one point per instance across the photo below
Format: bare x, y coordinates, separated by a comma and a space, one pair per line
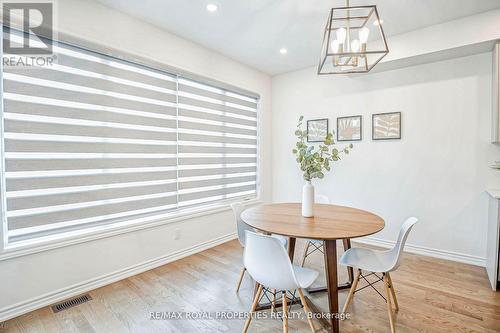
342, 286
278, 304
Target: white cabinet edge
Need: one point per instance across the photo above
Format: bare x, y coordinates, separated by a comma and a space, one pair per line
492, 241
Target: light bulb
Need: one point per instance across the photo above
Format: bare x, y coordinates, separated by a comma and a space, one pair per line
335, 46
355, 45
341, 34
363, 35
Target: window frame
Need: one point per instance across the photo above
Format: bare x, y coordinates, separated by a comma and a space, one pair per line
58, 240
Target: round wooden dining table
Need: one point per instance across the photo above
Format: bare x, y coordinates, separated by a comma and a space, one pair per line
329, 224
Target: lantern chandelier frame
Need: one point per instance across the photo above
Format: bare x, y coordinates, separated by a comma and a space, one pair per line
346, 48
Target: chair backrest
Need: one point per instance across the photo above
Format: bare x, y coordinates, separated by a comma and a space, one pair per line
321, 199
241, 226
400, 244
268, 263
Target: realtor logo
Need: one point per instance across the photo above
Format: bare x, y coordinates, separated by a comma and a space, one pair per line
35, 20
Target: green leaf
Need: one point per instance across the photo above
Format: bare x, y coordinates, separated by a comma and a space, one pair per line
301, 118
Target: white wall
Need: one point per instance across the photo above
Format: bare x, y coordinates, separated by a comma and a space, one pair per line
438, 171
33, 280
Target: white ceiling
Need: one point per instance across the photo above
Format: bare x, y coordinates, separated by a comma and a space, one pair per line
252, 32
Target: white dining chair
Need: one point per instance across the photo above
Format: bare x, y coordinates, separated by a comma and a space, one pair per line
313, 245
241, 227
269, 265
375, 262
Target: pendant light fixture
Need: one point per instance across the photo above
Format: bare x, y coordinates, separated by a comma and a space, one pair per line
353, 40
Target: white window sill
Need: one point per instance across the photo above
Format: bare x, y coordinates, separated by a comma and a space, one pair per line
83, 236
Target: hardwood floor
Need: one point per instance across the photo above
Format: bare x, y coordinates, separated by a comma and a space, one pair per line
434, 296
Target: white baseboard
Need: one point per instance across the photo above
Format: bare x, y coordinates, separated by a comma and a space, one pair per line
86, 286
427, 251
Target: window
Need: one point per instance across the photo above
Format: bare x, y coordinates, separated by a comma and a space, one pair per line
97, 141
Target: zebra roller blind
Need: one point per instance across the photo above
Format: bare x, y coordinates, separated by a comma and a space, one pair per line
93, 140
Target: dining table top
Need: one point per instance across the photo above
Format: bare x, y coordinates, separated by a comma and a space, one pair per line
330, 222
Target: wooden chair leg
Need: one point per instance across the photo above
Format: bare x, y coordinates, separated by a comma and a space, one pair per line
393, 292
252, 310
352, 291
285, 313
389, 305
240, 279
306, 310
304, 256
273, 303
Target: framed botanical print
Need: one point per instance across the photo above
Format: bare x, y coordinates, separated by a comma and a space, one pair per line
350, 128
317, 130
386, 126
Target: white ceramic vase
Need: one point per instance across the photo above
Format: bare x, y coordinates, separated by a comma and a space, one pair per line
307, 199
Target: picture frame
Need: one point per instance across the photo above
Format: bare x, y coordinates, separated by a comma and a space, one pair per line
317, 130
350, 128
386, 126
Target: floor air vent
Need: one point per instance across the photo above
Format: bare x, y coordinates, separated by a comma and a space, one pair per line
71, 303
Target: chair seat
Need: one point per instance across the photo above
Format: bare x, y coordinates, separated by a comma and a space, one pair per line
283, 240
305, 276
368, 260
